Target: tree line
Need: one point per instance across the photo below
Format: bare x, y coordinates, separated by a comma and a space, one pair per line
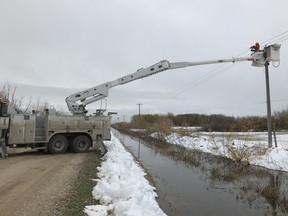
215, 122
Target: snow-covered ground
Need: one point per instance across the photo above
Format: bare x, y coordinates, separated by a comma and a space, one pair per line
122, 188
247, 147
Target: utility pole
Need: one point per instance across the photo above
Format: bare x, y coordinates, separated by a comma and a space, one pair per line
139, 121
269, 53
139, 104
269, 118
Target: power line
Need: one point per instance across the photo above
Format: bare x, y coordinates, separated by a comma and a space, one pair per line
206, 77
275, 37
214, 72
283, 39
221, 69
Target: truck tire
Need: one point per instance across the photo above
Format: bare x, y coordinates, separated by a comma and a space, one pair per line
81, 144
58, 144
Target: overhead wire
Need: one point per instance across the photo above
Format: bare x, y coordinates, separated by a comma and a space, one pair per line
283, 39
204, 78
274, 37
214, 71
221, 69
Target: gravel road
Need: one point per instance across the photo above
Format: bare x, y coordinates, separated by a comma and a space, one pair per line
34, 183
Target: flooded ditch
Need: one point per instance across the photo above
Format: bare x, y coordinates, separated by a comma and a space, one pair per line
194, 183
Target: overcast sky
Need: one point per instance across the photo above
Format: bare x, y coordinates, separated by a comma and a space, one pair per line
51, 49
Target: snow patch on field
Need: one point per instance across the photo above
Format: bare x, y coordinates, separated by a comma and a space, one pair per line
251, 144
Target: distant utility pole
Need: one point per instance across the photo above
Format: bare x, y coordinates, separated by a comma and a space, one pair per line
139, 104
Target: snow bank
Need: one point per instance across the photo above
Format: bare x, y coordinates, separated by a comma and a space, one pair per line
122, 188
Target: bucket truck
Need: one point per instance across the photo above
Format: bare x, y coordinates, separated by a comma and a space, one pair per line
79, 131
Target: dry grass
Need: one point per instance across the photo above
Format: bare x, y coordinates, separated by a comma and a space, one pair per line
183, 131
242, 152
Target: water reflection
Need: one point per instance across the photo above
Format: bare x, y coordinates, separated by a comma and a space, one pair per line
139, 147
195, 183
259, 188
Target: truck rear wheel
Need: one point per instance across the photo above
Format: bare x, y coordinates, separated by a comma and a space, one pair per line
58, 144
81, 144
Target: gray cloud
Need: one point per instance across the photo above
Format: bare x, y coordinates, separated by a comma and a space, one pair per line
60, 47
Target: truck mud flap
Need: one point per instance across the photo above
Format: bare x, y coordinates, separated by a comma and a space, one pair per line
102, 147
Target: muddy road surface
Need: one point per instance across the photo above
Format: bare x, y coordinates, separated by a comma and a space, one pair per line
36, 183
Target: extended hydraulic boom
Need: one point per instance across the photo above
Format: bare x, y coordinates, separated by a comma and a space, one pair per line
258, 58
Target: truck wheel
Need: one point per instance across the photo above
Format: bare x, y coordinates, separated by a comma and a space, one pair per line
81, 144
58, 144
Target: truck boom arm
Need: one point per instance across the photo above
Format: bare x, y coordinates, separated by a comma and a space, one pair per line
99, 92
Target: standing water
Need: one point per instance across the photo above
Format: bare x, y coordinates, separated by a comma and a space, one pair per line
210, 186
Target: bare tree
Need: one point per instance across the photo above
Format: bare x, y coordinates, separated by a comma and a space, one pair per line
8, 95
